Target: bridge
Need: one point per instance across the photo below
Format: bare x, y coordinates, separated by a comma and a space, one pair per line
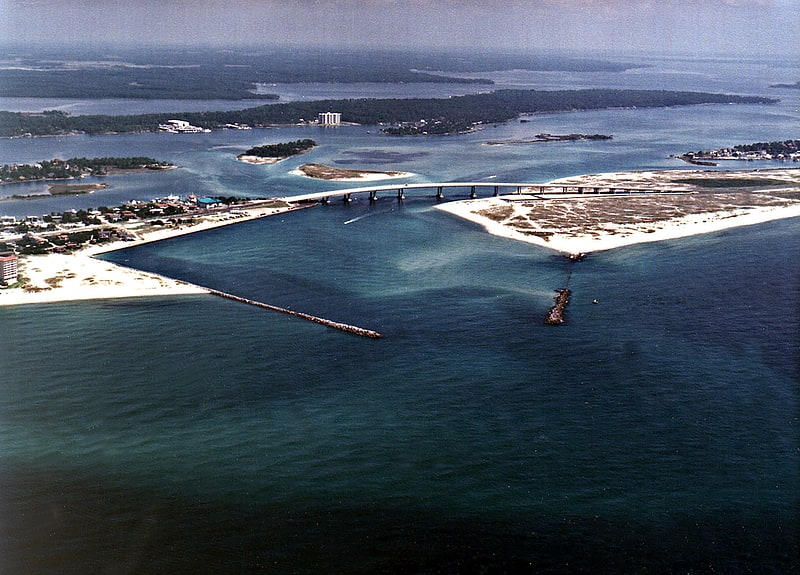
550, 190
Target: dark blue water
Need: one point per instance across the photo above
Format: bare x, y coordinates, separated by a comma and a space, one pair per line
654, 432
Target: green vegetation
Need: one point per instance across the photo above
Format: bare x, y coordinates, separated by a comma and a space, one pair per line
410, 116
771, 148
74, 168
282, 150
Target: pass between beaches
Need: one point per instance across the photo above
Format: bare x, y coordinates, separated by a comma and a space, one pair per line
695, 202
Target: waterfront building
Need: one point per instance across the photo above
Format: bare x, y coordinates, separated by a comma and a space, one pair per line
329, 118
8, 268
181, 127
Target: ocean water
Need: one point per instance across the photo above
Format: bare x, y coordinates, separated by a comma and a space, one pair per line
655, 431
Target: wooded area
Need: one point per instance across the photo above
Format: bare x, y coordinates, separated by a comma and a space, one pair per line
400, 116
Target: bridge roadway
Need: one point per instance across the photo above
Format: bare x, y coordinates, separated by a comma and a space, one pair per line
399, 190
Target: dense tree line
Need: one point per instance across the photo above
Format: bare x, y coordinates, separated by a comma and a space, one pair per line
74, 167
771, 148
405, 116
281, 150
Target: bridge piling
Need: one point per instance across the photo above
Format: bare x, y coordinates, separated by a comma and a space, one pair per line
564, 189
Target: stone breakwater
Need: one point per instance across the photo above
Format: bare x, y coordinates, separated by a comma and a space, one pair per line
556, 314
326, 322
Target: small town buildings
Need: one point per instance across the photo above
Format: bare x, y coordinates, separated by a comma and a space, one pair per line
181, 127
329, 118
8, 268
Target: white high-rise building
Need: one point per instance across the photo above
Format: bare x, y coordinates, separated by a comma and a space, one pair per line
8, 268
329, 119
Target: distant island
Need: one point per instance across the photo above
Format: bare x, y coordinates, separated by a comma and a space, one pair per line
795, 86
397, 116
273, 153
551, 138
323, 172
72, 168
197, 73
786, 150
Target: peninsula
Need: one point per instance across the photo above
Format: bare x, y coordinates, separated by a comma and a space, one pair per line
59, 266
578, 224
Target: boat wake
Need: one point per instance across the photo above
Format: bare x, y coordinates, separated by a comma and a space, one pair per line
356, 219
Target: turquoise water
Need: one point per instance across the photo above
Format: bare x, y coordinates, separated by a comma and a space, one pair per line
655, 431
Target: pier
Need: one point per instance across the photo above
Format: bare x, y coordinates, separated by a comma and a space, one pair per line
355, 330
493, 188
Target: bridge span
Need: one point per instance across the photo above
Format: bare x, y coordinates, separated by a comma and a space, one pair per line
554, 190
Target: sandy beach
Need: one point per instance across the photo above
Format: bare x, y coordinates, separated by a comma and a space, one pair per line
80, 276
259, 160
610, 235
583, 224
70, 277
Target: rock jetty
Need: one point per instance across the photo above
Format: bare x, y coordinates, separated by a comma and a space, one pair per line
336, 325
555, 316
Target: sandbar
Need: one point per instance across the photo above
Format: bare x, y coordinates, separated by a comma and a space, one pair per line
323, 172
582, 224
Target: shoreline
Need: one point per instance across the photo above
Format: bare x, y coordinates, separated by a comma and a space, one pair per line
81, 276
570, 225
583, 224
610, 238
